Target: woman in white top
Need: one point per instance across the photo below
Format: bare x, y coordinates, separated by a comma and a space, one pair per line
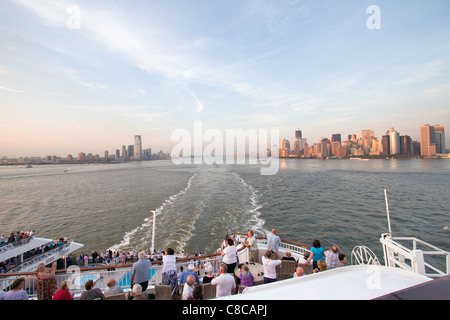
169, 272
270, 266
230, 256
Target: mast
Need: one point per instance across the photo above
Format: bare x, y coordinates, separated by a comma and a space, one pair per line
387, 211
153, 231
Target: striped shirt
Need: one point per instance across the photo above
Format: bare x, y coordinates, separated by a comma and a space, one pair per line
273, 241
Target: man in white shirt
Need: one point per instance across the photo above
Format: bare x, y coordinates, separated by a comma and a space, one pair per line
332, 257
224, 282
188, 289
252, 245
270, 266
111, 288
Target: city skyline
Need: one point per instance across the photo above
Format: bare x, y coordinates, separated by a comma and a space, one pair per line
77, 75
371, 144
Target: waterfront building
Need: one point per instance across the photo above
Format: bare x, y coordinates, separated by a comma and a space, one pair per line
352, 137
376, 148
137, 148
394, 141
427, 144
297, 147
299, 143
415, 148
82, 156
124, 153
285, 148
325, 147
405, 144
336, 137
148, 153
385, 140
130, 151
439, 138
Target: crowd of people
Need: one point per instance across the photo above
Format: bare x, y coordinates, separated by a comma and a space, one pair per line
14, 237
20, 238
187, 282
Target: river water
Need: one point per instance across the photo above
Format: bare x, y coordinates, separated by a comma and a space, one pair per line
336, 201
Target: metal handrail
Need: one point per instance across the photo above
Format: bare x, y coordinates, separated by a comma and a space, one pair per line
396, 254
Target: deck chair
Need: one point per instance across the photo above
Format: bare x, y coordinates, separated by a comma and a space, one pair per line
120, 296
163, 292
307, 268
209, 291
287, 269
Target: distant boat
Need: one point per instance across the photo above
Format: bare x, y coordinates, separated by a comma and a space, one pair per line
29, 166
361, 159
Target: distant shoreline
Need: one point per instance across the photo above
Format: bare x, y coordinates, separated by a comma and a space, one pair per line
89, 162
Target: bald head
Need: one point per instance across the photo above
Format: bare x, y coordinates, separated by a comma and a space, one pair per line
190, 280
111, 282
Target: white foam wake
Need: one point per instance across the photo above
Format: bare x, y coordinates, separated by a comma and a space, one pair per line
126, 240
257, 222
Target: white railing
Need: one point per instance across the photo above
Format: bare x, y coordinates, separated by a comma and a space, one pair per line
295, 248
413, 259
78, 277
9, 246
362, 255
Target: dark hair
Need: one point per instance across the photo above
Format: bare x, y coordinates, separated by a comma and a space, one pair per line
17, 283
230, 241
316, 243
89, 284
341, 256
170, 251
198, 293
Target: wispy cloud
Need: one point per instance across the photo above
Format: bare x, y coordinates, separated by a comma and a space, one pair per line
11, 90
157, 51
75, 77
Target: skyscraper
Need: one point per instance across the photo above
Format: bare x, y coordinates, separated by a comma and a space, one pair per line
394, 141
137, 148
385, 141
439, 138
427, 145
298, 143
405, 144
336, 137
432, 140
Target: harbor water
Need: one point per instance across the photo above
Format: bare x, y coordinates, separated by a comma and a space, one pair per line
336, 201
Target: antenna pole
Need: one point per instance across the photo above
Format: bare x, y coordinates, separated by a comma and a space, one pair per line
153, 232
387, 210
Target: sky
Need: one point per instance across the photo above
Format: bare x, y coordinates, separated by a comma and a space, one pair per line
87, 76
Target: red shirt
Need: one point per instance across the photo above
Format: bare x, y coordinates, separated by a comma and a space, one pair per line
63, 294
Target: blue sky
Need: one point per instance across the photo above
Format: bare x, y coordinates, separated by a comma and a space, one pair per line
150, 67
